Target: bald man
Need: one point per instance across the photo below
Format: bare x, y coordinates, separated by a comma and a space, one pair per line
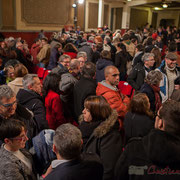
108, 89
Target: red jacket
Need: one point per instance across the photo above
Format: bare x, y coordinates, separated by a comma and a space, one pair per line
34, 51
116, 99
54, 110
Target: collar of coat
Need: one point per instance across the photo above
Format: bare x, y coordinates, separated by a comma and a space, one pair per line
105, 126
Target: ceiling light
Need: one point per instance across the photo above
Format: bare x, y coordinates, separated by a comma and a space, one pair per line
164, 5
74, 5
81, 1
156, 8
128, 0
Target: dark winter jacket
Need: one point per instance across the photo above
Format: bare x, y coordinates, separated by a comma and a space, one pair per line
138, 58
100, 66
84, 168
86, 47
137, 125
34, 103
136, 76
83, 88
106, 141
148, 90
153, 157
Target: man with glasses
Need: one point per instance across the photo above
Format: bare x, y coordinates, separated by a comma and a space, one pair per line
108, 89
140, 71
9, 108
15, 162
157, 155
170, 72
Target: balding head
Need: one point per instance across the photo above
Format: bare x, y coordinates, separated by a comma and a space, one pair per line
75, 65
111, 75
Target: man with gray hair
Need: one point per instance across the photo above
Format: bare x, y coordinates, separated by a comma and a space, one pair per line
140, 71
30, 98
70, 164
9, 108
82, 58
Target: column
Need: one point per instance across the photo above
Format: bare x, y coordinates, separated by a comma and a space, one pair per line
126, 17
101, 13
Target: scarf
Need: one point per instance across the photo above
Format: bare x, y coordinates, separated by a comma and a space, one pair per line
158, 102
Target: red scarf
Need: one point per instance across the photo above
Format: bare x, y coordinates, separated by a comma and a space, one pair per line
158, 102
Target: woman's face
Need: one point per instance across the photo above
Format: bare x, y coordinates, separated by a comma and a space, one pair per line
87, 115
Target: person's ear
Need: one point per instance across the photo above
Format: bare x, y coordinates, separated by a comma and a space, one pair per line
7, 141
54, 148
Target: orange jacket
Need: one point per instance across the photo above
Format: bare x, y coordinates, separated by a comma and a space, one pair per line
116, 99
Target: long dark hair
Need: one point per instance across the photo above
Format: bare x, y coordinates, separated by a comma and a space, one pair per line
51, 82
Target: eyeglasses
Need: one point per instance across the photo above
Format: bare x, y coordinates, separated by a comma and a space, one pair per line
23, 138
8, 105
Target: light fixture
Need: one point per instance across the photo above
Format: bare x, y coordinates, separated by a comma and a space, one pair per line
74, 5
156, 8
129, 0
164, 5
80, 1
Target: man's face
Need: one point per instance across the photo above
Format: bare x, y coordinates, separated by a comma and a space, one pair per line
81, 61
113, 77
43, 42
66, 62
8, 107
37, 86
170, 63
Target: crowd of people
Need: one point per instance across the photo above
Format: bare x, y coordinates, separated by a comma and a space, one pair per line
97, 105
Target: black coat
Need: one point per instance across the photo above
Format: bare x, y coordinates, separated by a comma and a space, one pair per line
106, 141
34, 103
100, 66
138, 59
137, 125
153, 157
121, 61
79, 169
83, 88
148, 90
136, 76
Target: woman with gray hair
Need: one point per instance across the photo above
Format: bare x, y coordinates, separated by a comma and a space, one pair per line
152, 90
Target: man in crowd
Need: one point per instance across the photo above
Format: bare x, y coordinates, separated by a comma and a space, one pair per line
108, 89
85, 87
67, 144
170, 72
157, 155
44, 54
30, 98
82, 58
140, 71
9, 108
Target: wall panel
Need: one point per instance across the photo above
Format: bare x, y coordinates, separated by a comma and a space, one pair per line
93, 15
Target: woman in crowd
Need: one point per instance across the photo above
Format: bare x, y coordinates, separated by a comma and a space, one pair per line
121, 59
19, 71
139, 120
100, 129
152, 90
157, 57
71, 50
15, 162
53, 103
104, 61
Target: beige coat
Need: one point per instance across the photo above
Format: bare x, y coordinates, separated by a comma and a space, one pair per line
16, 84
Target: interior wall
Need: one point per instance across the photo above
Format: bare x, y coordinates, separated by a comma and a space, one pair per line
118, 21
81, 16
138, 18
8, 14
106, 14
168, 15
35, 15
93, 15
